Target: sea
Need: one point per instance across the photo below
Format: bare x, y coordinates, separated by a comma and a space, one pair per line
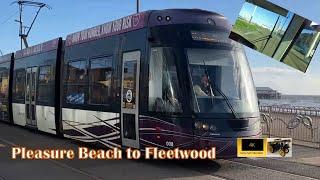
293, 100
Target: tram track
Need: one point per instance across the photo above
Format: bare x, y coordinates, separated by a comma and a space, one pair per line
233, 169
287, 174
57, 163
304, 163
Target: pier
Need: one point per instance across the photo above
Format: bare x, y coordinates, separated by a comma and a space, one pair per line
267, 93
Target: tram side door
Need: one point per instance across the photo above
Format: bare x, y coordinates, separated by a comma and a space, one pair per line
130, 99
30, 96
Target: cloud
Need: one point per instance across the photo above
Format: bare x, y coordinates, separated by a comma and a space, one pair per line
287, 81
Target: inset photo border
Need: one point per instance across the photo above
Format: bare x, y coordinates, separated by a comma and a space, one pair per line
277, 33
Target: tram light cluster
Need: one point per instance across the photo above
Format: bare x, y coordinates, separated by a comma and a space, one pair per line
204, 126
167, 18
213, 128
211, 21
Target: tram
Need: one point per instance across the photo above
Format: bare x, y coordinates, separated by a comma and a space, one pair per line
162, 78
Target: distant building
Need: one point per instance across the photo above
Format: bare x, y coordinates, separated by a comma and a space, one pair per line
267, 93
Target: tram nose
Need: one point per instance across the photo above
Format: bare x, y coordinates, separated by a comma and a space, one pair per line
224, 147
204, 126
223, 133
232, 128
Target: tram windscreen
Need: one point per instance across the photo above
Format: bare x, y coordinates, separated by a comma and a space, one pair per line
222, 81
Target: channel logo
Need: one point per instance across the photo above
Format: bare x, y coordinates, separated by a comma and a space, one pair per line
264, 147
253, 147
279, 147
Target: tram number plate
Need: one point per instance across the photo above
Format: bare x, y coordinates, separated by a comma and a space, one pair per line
169, 143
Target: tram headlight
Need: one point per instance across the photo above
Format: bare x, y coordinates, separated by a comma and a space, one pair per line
205, 127
201, 126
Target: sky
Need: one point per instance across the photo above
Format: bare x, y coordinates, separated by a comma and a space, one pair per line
261, 16
68, 16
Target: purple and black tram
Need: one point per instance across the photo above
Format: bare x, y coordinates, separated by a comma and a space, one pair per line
162, 78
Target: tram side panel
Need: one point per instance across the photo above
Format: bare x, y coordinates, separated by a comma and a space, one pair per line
92, 88
5, 84
90, 110
34, 87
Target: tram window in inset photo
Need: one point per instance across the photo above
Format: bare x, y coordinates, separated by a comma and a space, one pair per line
277, 33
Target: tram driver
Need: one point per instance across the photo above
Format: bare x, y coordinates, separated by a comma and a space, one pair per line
204, 89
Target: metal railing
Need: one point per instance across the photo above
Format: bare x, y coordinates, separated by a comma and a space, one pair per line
310, 111
299, 123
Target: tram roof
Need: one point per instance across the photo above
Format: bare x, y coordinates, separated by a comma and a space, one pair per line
5, 58
150, 18
38, 49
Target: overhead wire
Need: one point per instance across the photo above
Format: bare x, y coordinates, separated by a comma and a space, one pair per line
11, 16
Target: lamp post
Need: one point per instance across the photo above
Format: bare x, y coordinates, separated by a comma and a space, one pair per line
138, 5
255, 8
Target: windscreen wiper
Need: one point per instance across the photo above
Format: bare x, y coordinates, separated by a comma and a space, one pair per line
207, 75
220, 92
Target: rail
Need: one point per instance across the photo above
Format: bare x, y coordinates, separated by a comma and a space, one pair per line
311, 111
302, 124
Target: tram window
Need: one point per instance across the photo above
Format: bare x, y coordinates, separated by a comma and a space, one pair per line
19, 86
100, 78
163, 82
45, 84
4, 85
77, 82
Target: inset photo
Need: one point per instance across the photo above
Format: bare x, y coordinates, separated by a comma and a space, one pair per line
279, 147
277, 33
